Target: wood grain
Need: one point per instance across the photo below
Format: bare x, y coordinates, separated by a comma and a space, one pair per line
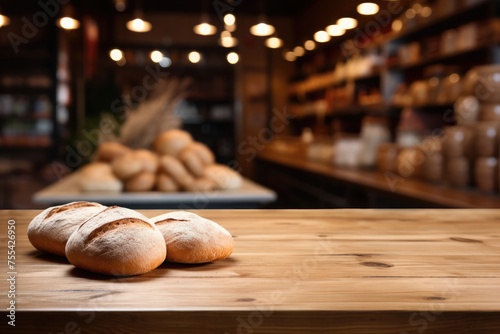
292, 271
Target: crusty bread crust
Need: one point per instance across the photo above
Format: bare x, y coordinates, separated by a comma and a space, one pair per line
108, 151
50, 230
193, 239
144, 181
117, 241
224, 177
172, 142
176, 170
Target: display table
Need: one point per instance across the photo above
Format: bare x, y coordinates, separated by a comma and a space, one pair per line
249, 196
292, 271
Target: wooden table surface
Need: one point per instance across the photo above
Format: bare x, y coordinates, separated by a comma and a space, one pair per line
292, 271
411, 188
68, 190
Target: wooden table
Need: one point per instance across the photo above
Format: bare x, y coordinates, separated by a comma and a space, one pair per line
249, 196
292, 271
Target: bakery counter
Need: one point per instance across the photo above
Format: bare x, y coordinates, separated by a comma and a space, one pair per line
250, 196
292, 271
347, 187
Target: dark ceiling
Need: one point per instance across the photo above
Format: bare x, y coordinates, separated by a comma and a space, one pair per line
288, 8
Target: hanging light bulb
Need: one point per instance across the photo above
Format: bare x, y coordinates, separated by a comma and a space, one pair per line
290, 56
232, 58
229, 19
205, 28
299, 51
368, 8
68, 23
4, 21
262, 28
347, 23
274, 42
335, 30
194, 57
226, 40
116, 54
310, 45
321, 36
139, 25
156, 56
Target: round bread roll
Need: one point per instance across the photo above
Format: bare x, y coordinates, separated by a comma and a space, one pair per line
224, 177
202, 184
166, 184
127, 166
117, 241
98, 177
144, 181
149, 160
203, 152
108, 151
176, 170
51, 229
192, 162
193, 239
172, 142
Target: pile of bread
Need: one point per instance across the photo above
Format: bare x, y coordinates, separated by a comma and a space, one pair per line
123, 242
178, 163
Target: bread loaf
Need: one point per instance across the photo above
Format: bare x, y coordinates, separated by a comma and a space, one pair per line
150, 161
172, 142
202, 184
192, 239
165, 183
144, 181
99, 177
192, 162
117, 241
108, 151
176, 170
127, 166
50, 230
224, 177
203, 152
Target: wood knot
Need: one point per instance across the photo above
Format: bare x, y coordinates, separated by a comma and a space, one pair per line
377, 264
322, 235
466, 240
435, 298
245, 300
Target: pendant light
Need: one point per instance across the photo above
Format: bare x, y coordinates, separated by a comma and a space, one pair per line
274, 42
4, 20
263, 28
227, 40
138, 24
68, 22
347, 23
368, 8
205, 28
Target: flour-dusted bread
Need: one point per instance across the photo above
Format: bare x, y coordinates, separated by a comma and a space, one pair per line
108, 151
99, 177
51, 229
117, 241
193, 239
224, 177
172, 142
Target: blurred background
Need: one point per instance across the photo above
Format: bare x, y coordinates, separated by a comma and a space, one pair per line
321, 104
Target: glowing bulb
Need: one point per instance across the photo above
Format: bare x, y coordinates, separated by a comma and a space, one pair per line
310, 45
116, 54
321, 36
274, 42
299, 51
228, 42
205, 29
194, 57
68, 23
229, 19
4, 21
368, 8
335, 30
165, 62
347, 22
426, 12
290, 56
230, 27
262, 29
156, 56
138, 25
232, 58
397, 25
